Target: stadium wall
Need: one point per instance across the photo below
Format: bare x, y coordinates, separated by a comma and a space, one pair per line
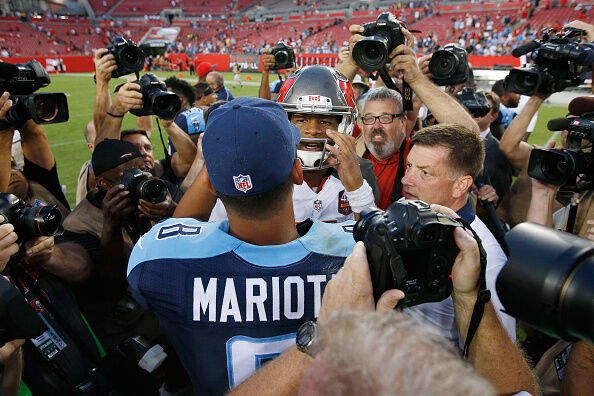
84, 64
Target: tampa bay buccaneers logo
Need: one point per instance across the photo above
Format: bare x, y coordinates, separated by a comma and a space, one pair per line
344, 206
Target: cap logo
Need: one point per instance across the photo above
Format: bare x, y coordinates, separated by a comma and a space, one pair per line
242, 183
126, 155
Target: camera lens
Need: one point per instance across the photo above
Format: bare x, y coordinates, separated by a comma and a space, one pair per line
39, 221
46, 108
281, 57
557, 164
131, 58
166, 105
153, 190
442, 64
371, 53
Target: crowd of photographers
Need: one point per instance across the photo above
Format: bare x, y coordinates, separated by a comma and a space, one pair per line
325, 238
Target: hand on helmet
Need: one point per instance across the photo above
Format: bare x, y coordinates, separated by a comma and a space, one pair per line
345, 160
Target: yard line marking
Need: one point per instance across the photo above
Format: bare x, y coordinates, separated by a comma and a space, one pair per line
67, 143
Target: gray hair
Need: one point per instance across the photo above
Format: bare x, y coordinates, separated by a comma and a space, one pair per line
387, 354
218, 78
384, 93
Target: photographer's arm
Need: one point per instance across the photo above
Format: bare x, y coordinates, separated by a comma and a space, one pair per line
199, 200
5, 143
146, 124
541, 205
11, 358
182, 159
515, 149
36, 146
196, 167
68, 261
105, 64
127, 98
444, 108
267, 63
492, 352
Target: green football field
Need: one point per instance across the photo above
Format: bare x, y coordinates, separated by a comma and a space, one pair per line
67, 139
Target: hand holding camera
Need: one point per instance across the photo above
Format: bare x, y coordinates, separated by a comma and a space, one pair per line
8, 245
284, 56
414, 247
128, 98
105, 65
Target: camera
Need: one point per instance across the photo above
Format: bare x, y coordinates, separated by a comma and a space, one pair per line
30, 221
17, 319
142, 185
559, 62
128, 57
284, 56
409, 247
381, 37
449, 66
563, 167
547, 281
156, 99
21, 80
476, 102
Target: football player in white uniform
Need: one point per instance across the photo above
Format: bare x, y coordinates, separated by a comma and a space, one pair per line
338, 184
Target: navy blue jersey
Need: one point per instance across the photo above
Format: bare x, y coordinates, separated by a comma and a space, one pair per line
228, 306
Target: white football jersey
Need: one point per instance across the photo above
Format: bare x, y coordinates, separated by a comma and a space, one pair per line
330, 203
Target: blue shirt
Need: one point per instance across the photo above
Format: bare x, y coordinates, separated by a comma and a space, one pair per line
228, 306
224, 94
191, 121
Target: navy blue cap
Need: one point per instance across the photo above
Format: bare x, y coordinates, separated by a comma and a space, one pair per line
249, 146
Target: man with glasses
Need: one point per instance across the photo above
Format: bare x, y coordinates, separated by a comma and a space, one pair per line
386, 137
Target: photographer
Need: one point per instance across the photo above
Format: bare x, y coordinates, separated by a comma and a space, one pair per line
37, 183
440, 169
492, 353
385, 141
105, 224
204, 95
129, 98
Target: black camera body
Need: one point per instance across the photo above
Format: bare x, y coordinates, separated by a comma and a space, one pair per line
562, 167
29, 221
476, 102
156, 99
21, 80
559, 62
128, 57
381, 37
449, 66
284, 56
142, 185
409, 247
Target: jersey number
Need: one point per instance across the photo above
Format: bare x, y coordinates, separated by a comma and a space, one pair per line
245, 355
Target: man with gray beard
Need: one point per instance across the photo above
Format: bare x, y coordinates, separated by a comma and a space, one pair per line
386, 136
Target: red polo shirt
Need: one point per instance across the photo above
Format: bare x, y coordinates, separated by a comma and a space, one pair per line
386, 171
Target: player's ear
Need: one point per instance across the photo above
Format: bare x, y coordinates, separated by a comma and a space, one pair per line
297, 172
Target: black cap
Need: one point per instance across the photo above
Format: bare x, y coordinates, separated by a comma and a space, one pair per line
110, 153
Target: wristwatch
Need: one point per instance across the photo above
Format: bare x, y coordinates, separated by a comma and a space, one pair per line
306, 336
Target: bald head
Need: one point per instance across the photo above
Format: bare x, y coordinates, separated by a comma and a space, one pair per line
215, 80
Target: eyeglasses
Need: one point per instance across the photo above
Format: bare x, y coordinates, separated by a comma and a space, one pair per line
383, 119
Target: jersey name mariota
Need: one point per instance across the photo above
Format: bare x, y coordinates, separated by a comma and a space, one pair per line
228, 306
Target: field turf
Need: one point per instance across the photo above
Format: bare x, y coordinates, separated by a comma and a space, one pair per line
67, 139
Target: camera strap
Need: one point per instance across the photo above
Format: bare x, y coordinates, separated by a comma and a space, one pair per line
406, 91
484, 295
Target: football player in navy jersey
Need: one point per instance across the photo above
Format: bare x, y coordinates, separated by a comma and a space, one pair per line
230, 295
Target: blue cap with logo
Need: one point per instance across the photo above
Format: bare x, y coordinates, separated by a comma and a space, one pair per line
249, 146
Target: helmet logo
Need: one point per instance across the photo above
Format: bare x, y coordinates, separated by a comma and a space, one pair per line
314, 102
242, 183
